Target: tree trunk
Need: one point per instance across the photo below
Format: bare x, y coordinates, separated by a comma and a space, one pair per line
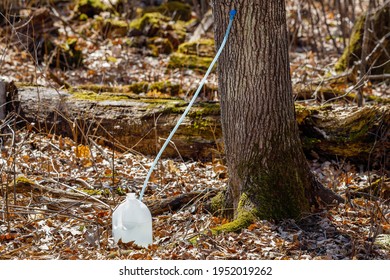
269, 175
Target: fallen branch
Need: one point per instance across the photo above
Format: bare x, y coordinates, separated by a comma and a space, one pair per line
177, 202
23, 184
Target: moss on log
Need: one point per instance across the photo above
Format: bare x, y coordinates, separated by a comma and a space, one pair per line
355, 134
90, 7
125, 118
150, 30
196, 55
174, 9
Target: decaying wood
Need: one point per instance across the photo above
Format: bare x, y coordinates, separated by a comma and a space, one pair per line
177, 202
25, 185
60, 199
142, 124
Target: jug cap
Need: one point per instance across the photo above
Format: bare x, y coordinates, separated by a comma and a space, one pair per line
131, 196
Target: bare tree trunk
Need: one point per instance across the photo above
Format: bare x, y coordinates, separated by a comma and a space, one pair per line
269, 175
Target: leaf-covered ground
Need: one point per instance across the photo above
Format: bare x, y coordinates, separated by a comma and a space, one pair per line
43, 225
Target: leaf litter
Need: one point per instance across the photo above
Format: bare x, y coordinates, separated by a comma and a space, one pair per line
43, 224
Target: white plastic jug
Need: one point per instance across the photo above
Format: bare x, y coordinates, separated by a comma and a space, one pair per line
132, 221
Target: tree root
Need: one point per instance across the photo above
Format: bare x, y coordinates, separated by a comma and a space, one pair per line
243, 220
326, 195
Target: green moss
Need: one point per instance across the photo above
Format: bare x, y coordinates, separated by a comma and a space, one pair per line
202, 47
154, 25
135, 88
356, 127
180, 28
160, 46
90, 7
301, 113
179, 60
68, 55
166, 106
243, 220
218, 202
376, 99
277, 189
115, 28
24, 180
101, 88
92, 96
149, 24
112, 59
91, 192
204, 110
166, 87
162, 87
345, 150
139, 87
245, 215
174, 9
83, 17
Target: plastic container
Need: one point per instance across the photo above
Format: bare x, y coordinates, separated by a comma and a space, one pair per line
132, 221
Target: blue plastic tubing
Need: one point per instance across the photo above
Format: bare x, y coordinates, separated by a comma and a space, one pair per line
231, 14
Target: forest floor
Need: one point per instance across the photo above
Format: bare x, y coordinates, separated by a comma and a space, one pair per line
45, 226
35, 223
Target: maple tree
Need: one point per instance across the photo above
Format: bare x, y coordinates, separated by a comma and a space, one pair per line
269, 175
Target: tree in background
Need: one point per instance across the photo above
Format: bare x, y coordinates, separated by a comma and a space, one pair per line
268, 171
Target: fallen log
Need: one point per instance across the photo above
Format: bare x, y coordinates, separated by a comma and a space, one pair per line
142, 124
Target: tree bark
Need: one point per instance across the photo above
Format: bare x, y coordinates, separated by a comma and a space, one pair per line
269, 175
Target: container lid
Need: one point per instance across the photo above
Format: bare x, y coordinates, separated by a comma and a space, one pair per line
131, 196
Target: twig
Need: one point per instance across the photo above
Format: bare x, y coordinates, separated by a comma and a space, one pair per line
7, 254
78, 195
80, 192
379, 77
